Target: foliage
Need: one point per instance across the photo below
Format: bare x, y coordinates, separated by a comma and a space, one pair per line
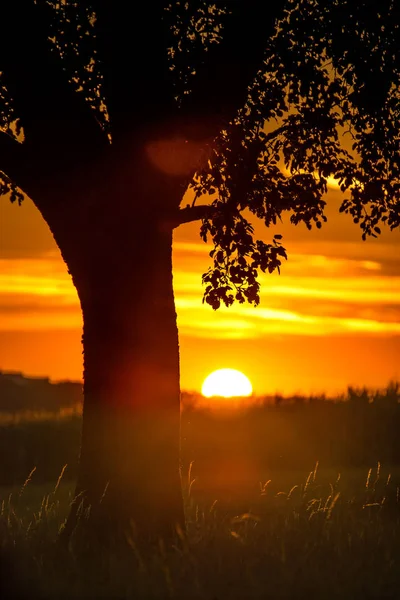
329, 75
73, 35
9, 125
329, 71
195, 26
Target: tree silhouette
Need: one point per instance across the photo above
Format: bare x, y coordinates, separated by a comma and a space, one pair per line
106, 123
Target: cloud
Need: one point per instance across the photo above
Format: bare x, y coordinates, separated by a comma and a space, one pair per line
244, 322
324, 289
321, 291
45, 276
331, 318
37, 293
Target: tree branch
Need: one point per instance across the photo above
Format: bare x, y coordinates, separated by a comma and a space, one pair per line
201, 211
12, 158
220, 86
134, 61
54, 117
193, 213
138, 83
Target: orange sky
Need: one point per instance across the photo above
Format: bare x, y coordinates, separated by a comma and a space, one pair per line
330, 319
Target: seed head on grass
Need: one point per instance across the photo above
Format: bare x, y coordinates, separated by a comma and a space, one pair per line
27, 481
59, 479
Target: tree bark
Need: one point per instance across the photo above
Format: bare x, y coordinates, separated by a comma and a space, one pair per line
113, 222
111, 210
129, 474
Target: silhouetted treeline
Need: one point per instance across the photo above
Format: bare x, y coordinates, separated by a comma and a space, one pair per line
292, 433
19, 392
281, 433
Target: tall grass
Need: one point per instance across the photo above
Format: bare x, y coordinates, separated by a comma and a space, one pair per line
260, 524
314, 538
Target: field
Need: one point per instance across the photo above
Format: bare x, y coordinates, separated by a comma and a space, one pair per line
264, 518
314, 536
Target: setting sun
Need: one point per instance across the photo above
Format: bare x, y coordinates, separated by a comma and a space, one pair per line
226, 383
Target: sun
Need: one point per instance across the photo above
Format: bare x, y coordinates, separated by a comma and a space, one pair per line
227, 383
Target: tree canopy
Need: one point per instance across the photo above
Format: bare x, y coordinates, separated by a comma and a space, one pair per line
109, 118
280, 100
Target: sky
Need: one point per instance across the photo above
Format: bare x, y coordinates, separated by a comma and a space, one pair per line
330, 319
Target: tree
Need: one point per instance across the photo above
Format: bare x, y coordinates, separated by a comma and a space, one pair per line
107, 122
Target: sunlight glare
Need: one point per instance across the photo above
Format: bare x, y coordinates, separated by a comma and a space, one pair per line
227, 383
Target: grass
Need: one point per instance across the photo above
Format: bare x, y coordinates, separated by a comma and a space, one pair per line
259, 524
311, 535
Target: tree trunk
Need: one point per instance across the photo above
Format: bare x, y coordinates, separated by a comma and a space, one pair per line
129, 474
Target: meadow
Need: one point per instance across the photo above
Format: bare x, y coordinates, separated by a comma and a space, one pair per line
265, 519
